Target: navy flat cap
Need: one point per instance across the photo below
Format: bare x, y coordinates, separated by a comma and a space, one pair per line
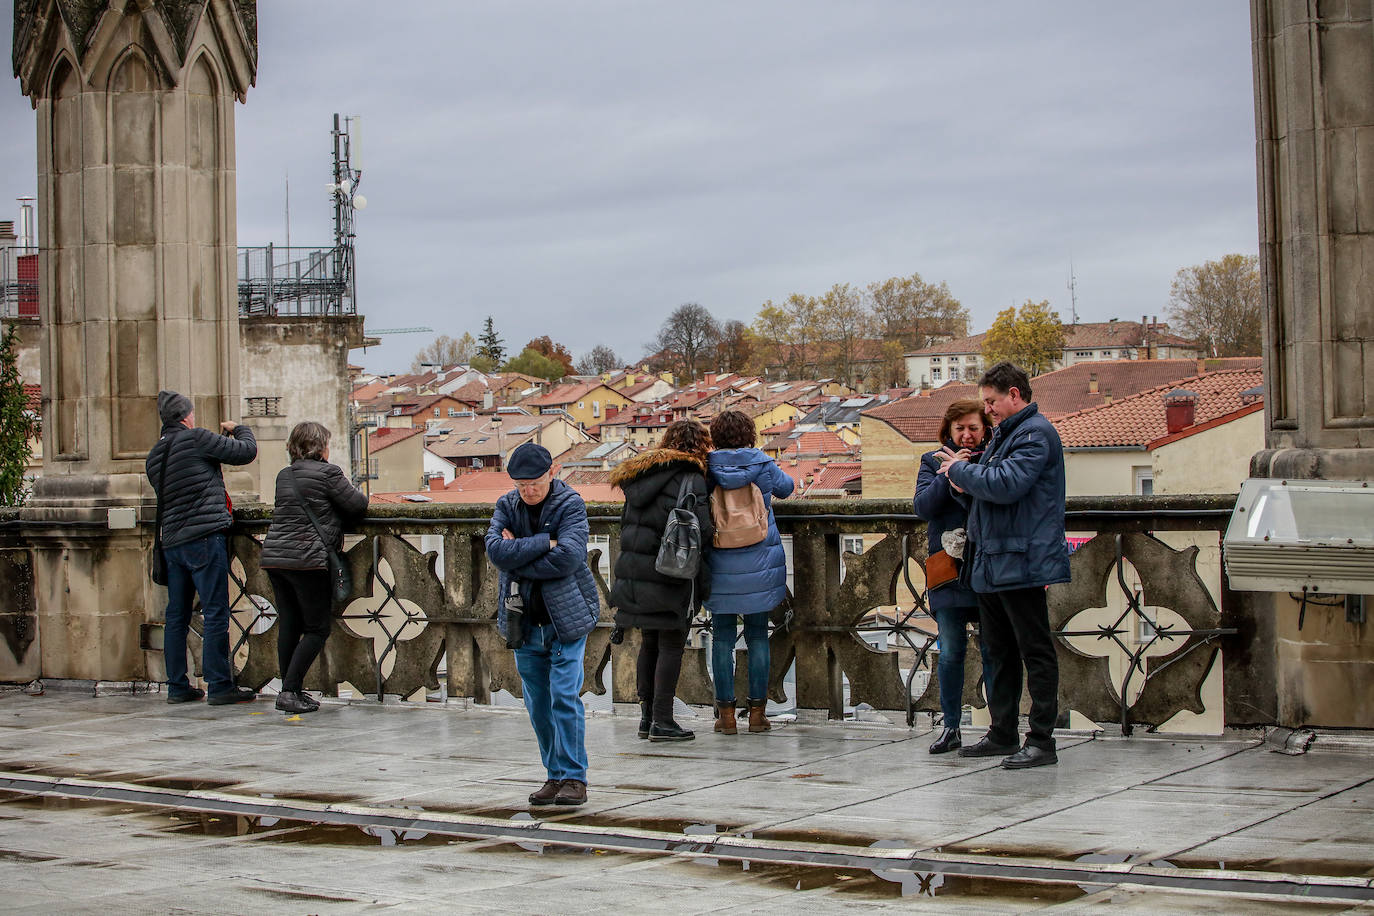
529, 461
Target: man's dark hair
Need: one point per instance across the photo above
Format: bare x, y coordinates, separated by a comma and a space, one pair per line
733, 429
1006, 376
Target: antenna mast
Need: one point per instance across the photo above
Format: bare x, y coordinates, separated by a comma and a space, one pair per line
1073, 292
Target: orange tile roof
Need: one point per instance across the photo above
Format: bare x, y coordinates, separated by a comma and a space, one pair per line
387, 437
1065, 391
34, 396
918, 418
836, 474
823, 443
566, 394
1139, 419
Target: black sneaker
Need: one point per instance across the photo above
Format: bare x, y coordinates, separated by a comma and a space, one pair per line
308, 698
194, 695
236, 695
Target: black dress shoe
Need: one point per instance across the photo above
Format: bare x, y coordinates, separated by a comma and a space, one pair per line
288, 701
236, 695
948, 741
1031, 756
546, 793
670, 731
572, 794
985, 748
307, 698
195, 694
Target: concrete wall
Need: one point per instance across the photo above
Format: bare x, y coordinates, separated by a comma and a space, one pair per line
303, 361
1213, 461
890, 460
1099, 472
29, 353
400, 467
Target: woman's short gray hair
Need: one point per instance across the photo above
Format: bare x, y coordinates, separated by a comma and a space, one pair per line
307, 440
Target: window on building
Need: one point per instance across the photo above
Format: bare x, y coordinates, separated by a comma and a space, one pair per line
970, 359
581, 404
596, 408
935, 374
849, 543
1124, 354
934, 360
1083, 354
954, 373
436, 411
453, 411
1144, 481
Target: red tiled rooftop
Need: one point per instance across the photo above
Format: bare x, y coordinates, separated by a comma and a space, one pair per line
1065, 391
919, 418
813, 443
34, 398
387, 437
835, 475
1139, 419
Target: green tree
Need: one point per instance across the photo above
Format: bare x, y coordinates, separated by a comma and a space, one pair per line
490, 346
532, 362
1032, 338
550, 349
16, 420
1218, 303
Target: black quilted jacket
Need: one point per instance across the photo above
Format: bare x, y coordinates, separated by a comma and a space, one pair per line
291, 540
184, 469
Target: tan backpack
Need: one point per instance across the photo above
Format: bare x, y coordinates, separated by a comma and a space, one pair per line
739, 516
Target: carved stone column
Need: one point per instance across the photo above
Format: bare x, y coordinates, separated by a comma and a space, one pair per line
135, 103
1314, 114
137, 288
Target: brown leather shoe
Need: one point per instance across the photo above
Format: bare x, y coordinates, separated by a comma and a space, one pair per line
547, 793
725, 718
572, 794
758, 719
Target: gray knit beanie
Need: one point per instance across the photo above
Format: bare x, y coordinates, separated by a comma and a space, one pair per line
172, 407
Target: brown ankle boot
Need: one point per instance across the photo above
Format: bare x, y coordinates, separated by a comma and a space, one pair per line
725, 717
758, 720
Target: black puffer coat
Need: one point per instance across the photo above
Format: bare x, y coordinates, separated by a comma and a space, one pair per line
291, 540
644, 597
190, 484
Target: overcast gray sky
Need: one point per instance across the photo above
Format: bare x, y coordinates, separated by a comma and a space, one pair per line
578, 169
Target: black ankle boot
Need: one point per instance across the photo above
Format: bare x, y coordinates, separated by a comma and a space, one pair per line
646, 717
670, 731
948, 741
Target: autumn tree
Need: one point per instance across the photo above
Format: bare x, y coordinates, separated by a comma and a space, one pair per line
19, 424
735, 346
792, 330
689, 334
891, 369
599, 359
445, 351
843, 321
1032, 338
910, 310
549, 349
1218, 303
532, 362
490, 346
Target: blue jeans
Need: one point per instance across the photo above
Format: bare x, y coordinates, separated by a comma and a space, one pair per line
551, 679
953, 623
724, 633
199, 567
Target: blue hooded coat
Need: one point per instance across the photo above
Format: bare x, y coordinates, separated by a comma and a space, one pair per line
1016, 513
568, 588
753, 579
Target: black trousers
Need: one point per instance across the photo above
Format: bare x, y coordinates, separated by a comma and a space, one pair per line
303, 621
657, 670
1015, 628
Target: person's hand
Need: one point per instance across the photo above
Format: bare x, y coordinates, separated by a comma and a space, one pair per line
948, 457
228, 426
506, 535
553, 542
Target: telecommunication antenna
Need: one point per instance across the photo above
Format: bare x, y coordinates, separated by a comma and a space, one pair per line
1073, 292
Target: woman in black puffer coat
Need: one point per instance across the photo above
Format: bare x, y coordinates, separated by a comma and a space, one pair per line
296, 559
660, 606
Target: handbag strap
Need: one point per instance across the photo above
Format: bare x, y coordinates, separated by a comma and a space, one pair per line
315, 523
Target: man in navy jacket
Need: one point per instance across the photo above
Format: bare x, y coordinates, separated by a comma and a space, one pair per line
1016, 527
538, 540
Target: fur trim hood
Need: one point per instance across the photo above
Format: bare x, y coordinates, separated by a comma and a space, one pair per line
652, 460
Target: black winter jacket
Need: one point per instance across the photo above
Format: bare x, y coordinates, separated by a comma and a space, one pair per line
644, 597
184, 469
291, 540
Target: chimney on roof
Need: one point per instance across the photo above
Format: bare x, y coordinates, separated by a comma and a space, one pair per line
709, 379
7, 236
1252, 395
611, 411
1180, 409
1092, 383
488, 399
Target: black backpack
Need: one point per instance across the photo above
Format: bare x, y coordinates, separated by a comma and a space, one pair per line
679, 553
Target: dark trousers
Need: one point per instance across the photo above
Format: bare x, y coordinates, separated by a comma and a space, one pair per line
1015, 628
303, 621
657, 669
199, 567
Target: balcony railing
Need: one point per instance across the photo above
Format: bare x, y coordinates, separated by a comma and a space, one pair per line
1141, 629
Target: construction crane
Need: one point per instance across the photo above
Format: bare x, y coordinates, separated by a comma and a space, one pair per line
380, 331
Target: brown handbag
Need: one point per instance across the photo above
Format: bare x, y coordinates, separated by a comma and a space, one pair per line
941, 568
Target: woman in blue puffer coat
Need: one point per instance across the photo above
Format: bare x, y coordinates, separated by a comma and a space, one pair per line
748, 581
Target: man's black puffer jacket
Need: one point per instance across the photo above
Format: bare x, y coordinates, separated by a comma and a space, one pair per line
291, 540
642, 596
190, 485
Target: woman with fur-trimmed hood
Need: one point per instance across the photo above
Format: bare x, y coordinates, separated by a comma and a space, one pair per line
659, 606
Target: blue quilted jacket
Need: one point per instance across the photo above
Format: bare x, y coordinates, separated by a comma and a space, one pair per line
569, 589
753, 579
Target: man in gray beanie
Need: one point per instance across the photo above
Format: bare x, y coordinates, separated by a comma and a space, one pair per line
184, 469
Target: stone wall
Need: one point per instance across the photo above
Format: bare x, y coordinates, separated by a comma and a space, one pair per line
891, 461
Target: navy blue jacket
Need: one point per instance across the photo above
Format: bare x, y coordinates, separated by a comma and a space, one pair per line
936, 503
753, 579
568, 588
1016, 514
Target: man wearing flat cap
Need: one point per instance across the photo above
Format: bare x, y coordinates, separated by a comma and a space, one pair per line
547, 606
184, 469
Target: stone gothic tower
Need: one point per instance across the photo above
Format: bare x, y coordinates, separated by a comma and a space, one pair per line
135, 104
